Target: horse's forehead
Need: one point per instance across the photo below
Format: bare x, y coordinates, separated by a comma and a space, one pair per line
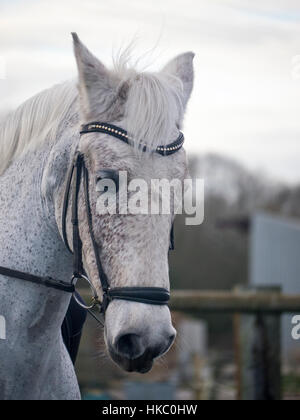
107, 152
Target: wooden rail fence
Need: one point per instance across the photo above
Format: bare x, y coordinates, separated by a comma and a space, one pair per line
257, 325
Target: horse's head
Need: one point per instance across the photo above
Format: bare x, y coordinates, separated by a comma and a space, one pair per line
133, 247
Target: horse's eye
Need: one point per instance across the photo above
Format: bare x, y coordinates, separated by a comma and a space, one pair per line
109, 174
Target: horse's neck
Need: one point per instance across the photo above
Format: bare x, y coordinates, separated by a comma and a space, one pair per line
30, 242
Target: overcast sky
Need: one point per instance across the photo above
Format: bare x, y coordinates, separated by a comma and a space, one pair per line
247, 93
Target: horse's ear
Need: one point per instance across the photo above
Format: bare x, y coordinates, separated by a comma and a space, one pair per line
94, 77
182, 67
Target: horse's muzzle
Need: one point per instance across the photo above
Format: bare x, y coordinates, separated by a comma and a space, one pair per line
130, 353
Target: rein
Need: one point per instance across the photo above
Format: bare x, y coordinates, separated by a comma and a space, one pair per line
78, 175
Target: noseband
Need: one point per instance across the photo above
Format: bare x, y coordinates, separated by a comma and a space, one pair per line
77, 176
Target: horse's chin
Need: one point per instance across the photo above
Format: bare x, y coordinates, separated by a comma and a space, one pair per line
142, 364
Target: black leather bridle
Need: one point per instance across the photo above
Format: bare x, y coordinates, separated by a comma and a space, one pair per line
78, 175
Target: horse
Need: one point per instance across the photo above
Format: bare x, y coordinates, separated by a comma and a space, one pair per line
38, 143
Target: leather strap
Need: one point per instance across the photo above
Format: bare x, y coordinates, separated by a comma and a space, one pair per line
101, 272
119, 133
66, 206
77, 244
149, 295
172, 238
45, 281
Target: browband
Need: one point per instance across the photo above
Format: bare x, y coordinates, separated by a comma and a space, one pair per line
119, 133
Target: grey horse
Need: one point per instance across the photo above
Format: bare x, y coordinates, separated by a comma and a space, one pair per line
37, 145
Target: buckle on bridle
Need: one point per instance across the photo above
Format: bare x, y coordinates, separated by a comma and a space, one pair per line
106, 299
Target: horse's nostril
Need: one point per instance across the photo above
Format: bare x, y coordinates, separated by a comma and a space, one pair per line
130, 345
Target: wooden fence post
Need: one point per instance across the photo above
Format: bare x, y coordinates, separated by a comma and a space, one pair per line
258, 353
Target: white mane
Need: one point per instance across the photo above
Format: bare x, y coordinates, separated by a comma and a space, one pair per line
151, 110
35, 120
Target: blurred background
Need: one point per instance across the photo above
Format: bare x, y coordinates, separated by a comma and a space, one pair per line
242, 132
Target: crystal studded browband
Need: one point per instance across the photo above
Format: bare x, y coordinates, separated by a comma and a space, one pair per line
121, 134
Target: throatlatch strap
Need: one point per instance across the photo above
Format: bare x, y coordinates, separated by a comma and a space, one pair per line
77, 244
101, 272
66, 206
